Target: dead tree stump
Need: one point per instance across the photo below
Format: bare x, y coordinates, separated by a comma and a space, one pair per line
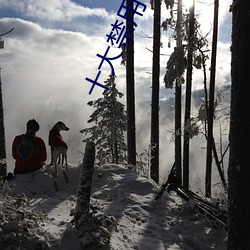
93, 228
84, 187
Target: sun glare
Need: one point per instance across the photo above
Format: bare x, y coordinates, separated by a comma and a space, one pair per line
187, 3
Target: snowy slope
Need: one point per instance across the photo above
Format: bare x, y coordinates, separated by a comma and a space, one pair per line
141, 221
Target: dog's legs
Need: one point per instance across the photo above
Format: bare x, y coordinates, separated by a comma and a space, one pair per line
57, 152
51, 156
66, 161
64, 172
55, 158
63, 157
56, 170
59, 159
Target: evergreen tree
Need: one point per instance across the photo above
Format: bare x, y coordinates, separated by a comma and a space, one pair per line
187, 116
238, 170
188, 53
130, 86
154, 167
110, 120
210, 118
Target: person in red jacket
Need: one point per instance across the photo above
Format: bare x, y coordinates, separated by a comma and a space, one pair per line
29, 150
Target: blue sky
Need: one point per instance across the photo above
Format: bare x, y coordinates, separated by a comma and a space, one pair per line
53, 49
65, 13
109, 5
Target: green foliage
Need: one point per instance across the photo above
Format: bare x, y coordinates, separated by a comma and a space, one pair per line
110, 121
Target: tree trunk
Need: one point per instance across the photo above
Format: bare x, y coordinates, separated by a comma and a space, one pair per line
239, 159
154, 168
81, 215
116, 152
178, 100
218, 164
188, 98
93, 231
3, 162
130, 85
211, 102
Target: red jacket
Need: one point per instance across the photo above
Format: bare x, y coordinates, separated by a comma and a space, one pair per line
37, 159
55, 139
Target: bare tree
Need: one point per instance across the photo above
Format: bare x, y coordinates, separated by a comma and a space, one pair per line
239, 160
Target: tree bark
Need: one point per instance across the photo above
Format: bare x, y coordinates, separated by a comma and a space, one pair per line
93, 229
154, 168
239, 159
188, 97
218, 164
178, 158
83, 193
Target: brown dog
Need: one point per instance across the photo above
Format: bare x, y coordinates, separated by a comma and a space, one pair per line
58, 146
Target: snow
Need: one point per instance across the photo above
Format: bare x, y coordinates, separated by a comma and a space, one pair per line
141, 221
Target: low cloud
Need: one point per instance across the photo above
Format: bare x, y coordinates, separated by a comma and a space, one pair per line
56, 10
44, 69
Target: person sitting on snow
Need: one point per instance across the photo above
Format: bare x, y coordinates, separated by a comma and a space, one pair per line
29, 150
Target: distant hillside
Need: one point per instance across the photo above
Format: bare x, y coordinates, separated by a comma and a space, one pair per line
167, 106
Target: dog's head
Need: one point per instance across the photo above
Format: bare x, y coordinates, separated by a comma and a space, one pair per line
61, 126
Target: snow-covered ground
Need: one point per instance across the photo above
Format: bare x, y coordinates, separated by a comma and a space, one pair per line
141, 221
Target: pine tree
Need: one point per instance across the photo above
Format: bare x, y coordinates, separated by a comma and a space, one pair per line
187, 116
154, 168
110, 120
189, 53
238, 170
210, 139
130, 86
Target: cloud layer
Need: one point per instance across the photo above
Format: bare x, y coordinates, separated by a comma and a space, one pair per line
53, 49
55, 10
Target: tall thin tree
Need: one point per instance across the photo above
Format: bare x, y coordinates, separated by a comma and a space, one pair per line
154, 168
188, 96
178, 155
130, 88
3, 162
239, 159
211, 102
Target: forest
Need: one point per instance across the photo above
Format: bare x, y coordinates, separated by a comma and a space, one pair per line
214, 118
